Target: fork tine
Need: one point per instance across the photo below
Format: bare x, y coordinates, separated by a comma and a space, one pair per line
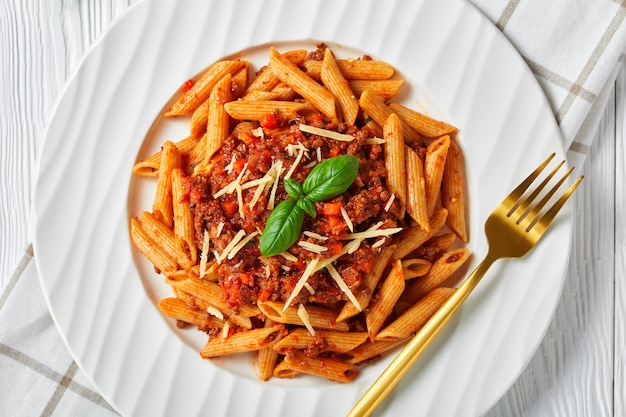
512, 200
523, 205
537, 208
540, 224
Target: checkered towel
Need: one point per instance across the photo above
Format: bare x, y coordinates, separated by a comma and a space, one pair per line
574, 47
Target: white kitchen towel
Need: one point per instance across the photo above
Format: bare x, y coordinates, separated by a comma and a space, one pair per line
574, 47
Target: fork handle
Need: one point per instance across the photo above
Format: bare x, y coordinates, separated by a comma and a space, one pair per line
418, 344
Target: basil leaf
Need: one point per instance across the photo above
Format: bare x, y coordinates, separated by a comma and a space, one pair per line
293, 188
282, 228
331, 177
308, 206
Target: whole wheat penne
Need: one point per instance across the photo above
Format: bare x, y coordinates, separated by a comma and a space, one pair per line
255, 110
310, 90
266, 80
183, 217
353, 69
319, 317
382, 306
247, 341
267, 358
382, 88
416, 188
165, 238
334, 341
161, 260
370, 281
453, 192
378, 110
332, 369
413, 237
162, 205
415, 267
439, 272
218, 121
369, 350
180, 310
395, 164
423, 124
415, 317
201, 89
434, 166
149, 167
335, 82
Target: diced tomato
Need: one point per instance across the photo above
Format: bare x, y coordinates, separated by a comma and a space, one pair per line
334, 248
230, 208
269, 121
248, 138
330, 209
317, 117
334, 221
334, 151
195, 196
238, 165
245, 278
187, 86
300, 264
264, 294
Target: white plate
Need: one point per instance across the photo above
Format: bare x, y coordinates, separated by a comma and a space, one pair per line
102, 296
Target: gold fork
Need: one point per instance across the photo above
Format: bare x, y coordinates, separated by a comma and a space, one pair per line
509, 235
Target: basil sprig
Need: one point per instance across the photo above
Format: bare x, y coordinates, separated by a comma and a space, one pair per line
326, 180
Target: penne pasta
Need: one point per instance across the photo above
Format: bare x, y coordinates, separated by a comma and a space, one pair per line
382, 88
333, 341
164, 237
376, 108
382, 306
424, 125
434, 165
395, 164
218, 122
161, 260
267, 357
266, 80
335, 82
149, 167
319, 317
415, 317
416, 189
180, 310
310, 90
184, 230
332, 369
415, 267
256, 110
369, 350
453, 192
201, 89
353, 69
248, 341
162, 206
414, 237
439, 272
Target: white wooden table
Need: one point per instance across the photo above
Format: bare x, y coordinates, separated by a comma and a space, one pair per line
580, 367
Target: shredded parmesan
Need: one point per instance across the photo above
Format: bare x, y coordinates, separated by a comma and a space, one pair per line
312, 247
304, 316
295, 163
378, 243
229, 168
314, 235
258, 132
215, 312
220, 226
344, 214
310, 268
288, 256
240, 234
232, 186
343, 286
309, 288
240, 201
205, 253
373, 233
318, 152
374, 141
326, 133
277, 169
226, 329
390, 202
241, 244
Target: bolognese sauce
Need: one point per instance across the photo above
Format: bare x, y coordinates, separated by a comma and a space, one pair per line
247, 156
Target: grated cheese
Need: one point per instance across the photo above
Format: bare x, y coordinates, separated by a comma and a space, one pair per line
205, 253
229, 168
310, 268
240, 201
343, 286
258, 132
226, 329
277, 169
215, 312
315, 235
374, 141
304, 316
220, 226
318, 152
230, 187
312, 247
344, 214
372, 233
240, 234
326, 133
390, 202
378, 243
241, 244
288, 256
309, 288
295, 163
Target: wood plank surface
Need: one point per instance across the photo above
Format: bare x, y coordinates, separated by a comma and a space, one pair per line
579, 369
